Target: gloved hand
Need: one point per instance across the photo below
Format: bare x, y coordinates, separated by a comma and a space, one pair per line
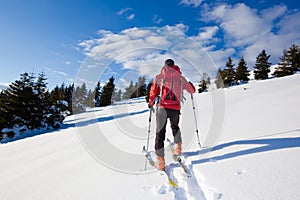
192, 85
151, 107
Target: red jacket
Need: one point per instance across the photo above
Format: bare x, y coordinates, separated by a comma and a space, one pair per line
172, 84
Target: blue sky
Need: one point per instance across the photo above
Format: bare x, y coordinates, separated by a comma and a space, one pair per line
84, 41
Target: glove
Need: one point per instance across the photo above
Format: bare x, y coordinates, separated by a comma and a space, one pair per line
151, 107
193, 87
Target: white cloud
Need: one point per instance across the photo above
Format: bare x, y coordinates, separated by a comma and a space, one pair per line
250, 30
57, 77
240, 23
127, 12
56, 72
290, 24
68, 62
196, 3
157, 19
274, 12
232, 31
144, 51
124, 10
207, 35
130, 17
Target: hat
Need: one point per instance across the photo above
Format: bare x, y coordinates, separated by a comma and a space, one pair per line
169, 62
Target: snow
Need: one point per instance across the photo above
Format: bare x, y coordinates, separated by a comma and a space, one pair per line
252, 150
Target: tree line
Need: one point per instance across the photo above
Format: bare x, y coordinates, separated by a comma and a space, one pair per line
27, 104
288, 65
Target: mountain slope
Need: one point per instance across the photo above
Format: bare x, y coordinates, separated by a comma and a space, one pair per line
97, 154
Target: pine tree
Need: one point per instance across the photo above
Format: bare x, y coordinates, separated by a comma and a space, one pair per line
58, 93
39, 108
219, 79
90, 100
293, 55
262, 66
97, 94
135, 91
203, 85
117, 96
148, 90
285, 68
229, 73
20, 101
3, 114
129, 91
69, 97
27, 105
142, 88
242, 72
79, 98
107, 92
59, 106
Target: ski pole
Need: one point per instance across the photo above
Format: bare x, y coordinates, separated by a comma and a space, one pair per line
195, 121
149, 130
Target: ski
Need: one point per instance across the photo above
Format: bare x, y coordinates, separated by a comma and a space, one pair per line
152, 163
178, 159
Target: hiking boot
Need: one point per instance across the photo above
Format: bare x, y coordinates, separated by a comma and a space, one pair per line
177, 149
161, 163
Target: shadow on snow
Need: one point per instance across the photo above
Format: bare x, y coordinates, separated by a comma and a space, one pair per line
73, 123
268, 144
108, 118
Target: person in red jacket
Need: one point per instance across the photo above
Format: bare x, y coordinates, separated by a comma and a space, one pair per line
167, 92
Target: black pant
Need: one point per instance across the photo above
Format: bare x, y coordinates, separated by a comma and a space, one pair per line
161, 121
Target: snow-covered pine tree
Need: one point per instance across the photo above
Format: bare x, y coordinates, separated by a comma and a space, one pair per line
242, 72
262, 66
19, 103
203, 84
284, 67
39, 109
58, 107
107, 91
27, 105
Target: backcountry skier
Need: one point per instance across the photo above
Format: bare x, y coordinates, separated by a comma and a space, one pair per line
167, 92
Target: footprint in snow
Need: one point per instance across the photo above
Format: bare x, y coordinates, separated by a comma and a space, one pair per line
162, 189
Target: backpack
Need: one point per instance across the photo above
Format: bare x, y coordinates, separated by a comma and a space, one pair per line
170, 83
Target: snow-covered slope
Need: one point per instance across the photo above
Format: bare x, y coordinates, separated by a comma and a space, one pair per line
252, 154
